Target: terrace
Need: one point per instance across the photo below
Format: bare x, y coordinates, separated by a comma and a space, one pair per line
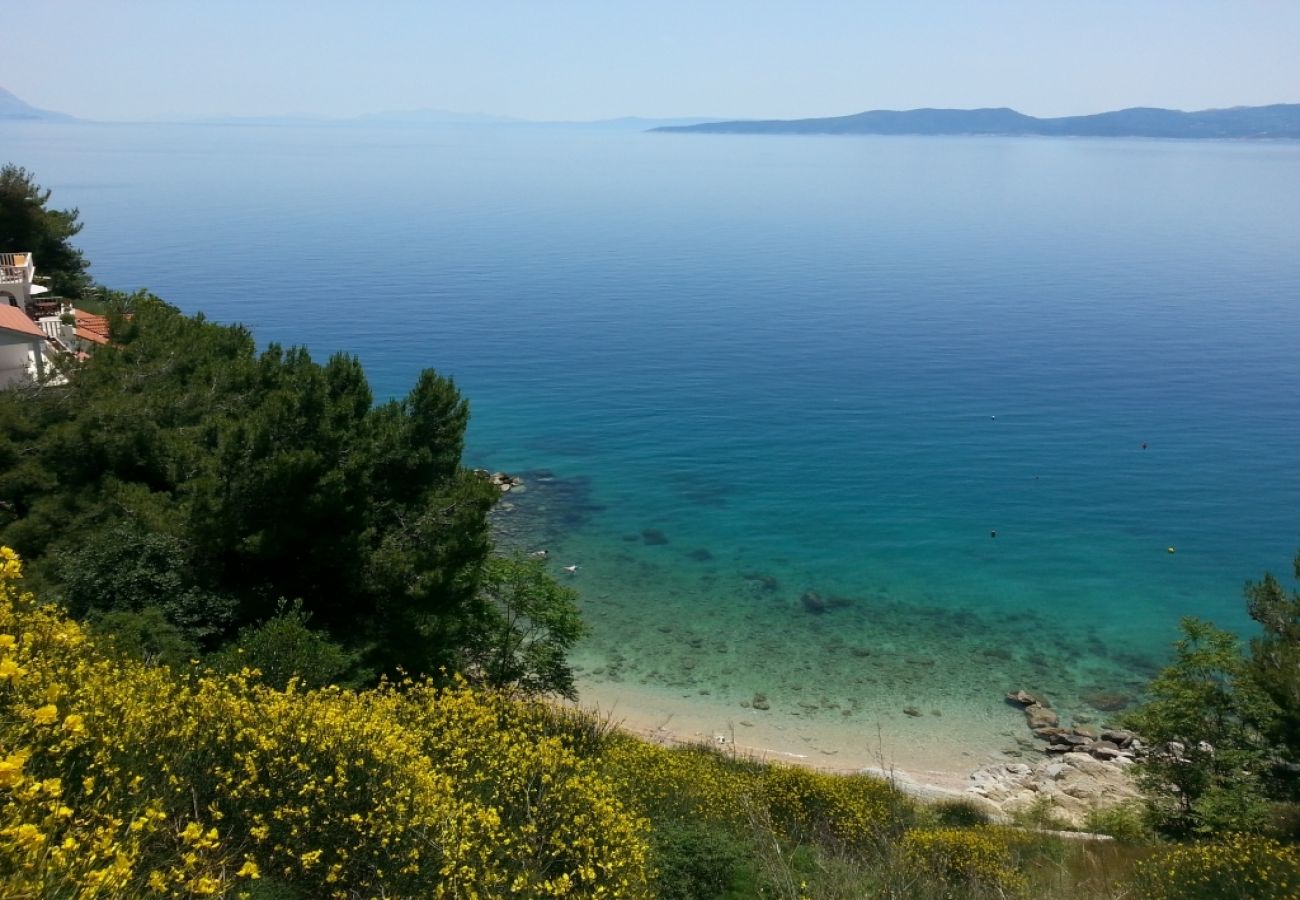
16, 268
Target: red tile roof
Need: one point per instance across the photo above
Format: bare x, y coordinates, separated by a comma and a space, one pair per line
91, 327
14, 319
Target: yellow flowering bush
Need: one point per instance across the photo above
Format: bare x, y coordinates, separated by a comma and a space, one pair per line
1239, 867
704, 786
123, 780
849, 809
979, 857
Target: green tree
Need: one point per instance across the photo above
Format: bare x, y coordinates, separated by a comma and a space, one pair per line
525, 625
27, 224
285, 647
182, 464
1207, 758
1275, 657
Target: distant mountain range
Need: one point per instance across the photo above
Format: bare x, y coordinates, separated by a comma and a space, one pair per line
1281, 120
13, 108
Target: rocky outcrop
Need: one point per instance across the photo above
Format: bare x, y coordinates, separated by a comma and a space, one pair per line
502, 480
1075, 783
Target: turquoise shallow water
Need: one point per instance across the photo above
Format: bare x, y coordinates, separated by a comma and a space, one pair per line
761, 367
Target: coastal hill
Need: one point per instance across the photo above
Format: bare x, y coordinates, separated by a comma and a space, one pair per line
1280, 120
11, 107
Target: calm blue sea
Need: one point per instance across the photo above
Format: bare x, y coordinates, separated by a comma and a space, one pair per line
735, 370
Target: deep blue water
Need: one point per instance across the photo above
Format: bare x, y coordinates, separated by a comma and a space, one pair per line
836, 363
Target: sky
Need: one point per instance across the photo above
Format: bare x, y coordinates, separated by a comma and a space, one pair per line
591, 59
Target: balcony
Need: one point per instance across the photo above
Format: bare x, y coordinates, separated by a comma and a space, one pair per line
16, 268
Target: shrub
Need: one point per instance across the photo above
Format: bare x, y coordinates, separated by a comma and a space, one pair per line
1125, 822
958, 813
699, 861
1239, 867
966, 858
119, 779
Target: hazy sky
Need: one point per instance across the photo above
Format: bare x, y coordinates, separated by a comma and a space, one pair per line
581, 59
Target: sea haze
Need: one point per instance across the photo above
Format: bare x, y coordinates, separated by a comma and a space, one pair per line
752, 368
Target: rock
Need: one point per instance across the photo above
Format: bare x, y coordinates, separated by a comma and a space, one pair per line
760, 702
1074, 782
1070, 739
1107, 701
1104, 750
911, 711
1040, 717
813, 602
1024, 698
1118, 737
761, 581
1087, 732
654, 537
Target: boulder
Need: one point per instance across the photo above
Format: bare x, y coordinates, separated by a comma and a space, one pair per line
813, 602
1024, 698
1104, 750
1118, 736
1040, 717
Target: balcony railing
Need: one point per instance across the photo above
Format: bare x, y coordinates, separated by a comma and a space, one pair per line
16, 268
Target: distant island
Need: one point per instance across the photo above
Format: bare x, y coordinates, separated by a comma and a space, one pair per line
11, 107
1281, 120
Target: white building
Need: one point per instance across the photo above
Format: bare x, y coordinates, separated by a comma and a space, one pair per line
22, 348
33, 331
16, 273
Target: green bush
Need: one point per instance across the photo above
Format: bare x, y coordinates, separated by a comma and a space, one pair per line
699, 861
958, 814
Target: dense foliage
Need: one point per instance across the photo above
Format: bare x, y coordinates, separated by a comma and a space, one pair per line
28, 225
182, 485
120, 779
1223, 723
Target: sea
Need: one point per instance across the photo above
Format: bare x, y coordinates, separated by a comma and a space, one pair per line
846, 436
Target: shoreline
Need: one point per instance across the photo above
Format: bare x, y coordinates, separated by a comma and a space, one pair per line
1073, 779
936, 767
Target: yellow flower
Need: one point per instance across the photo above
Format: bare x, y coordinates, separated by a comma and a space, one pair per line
249, 870
28, 835
46, 714
74, 724
11, 769
6, 641
10, 669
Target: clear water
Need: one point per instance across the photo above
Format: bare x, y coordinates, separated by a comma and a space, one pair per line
755, 367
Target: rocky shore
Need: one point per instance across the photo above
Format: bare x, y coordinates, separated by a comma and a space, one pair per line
1084, 768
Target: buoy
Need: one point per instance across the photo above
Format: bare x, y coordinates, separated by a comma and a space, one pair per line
1172, 550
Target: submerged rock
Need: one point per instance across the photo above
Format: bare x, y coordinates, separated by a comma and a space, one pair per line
813, 602
1039, 717
1107, 701
1025, 698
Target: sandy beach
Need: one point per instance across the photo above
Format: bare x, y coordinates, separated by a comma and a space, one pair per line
936, 752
